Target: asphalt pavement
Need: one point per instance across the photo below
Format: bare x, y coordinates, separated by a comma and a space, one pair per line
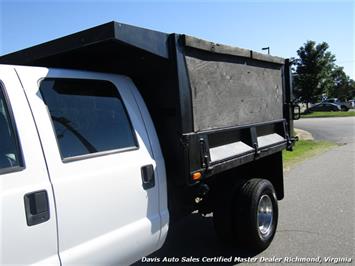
316, 217
338, 129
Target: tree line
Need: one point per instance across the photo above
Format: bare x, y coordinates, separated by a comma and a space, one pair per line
316, 75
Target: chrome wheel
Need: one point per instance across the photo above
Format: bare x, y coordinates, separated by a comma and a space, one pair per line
265, 216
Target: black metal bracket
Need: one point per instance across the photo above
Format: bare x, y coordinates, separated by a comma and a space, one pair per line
291, 142
257, 152
254, 141
296, 115
204, 153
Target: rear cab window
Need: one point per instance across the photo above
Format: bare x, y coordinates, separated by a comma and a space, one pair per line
88, 116
10, 152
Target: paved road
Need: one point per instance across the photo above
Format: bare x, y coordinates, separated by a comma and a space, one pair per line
317, 216
339, 129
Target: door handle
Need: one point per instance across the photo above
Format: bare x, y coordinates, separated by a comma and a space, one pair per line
148, 178
36, 207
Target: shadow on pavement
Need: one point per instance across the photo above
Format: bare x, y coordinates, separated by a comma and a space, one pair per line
194, 238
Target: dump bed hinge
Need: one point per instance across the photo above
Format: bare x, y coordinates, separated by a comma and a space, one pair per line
204, 153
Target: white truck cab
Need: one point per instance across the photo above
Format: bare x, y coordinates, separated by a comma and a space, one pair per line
81, 169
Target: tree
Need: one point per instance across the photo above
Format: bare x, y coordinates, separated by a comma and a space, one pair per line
313, 71
352, 89
343, 87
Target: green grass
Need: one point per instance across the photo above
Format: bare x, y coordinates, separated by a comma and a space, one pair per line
328, 114
305, 149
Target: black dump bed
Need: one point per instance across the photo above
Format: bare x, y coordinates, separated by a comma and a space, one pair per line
214, 106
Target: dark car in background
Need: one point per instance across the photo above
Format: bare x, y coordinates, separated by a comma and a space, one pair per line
343, 105
324, 107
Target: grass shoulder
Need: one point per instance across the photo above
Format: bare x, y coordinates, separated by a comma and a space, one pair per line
305, 149
329, 114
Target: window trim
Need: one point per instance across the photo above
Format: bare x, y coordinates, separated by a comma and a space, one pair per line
95, 154
13, 125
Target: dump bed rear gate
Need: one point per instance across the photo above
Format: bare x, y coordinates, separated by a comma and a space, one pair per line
237, 98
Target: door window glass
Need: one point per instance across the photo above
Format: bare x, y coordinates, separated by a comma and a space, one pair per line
88, 116
9, 149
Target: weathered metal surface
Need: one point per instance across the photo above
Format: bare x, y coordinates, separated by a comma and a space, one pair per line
149, 41
230, 50
226, 93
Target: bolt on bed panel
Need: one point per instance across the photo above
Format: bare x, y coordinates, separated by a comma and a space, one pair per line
232, 91
218, 48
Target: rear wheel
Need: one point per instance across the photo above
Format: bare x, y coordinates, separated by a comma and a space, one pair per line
249, 217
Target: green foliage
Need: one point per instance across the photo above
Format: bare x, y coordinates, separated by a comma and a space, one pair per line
305, 149
343, 87
315, 74
313, 71
328, 114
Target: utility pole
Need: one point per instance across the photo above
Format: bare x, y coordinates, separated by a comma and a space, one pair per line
266, 48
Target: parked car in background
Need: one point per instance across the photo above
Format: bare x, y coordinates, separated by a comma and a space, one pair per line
345, 106
324, 107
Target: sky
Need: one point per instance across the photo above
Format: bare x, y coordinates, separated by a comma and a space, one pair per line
284, 26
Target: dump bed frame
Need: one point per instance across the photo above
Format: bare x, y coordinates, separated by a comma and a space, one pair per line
215, 107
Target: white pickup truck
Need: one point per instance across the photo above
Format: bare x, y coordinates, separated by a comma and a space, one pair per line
96, 165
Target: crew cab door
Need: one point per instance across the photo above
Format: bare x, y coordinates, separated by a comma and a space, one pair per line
100, 163
28, 232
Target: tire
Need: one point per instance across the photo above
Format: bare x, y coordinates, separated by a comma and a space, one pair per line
237, 222
344, 108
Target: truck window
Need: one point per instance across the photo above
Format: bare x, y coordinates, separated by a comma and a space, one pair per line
88, 116
10, 156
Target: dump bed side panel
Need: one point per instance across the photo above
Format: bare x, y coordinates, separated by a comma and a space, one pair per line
233, 91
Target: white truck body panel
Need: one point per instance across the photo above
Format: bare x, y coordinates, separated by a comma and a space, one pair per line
20, 243
160, 164
104, 214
